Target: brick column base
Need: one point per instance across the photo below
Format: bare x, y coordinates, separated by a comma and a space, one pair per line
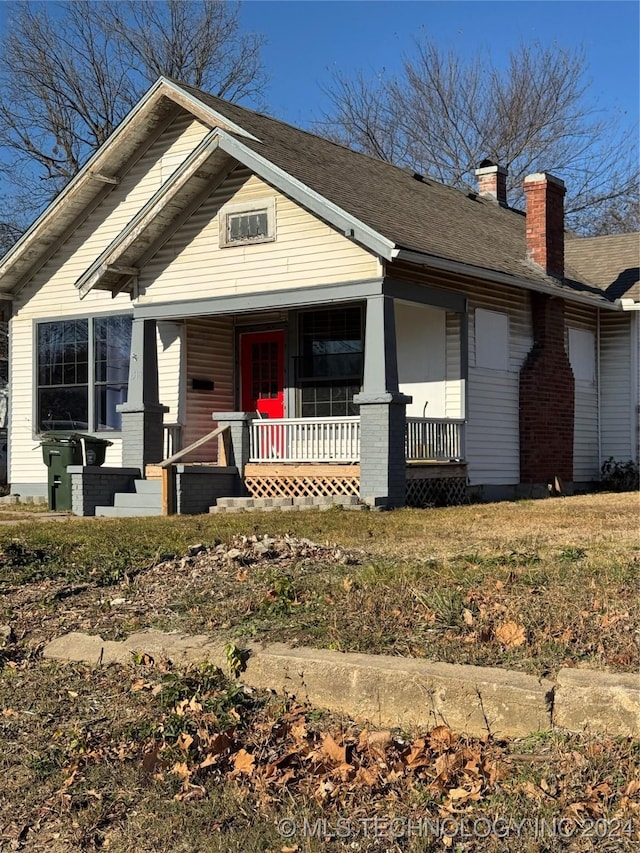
238, 423
142, 434
382, 448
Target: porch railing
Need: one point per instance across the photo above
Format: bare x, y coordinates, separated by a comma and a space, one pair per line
306, 440
171, 440
338, 439
434, 438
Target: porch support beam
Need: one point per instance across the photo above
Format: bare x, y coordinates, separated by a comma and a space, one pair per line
142, 414
410, 291
296, 297
382, 411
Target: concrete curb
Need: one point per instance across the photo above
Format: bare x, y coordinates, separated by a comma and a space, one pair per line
395, 691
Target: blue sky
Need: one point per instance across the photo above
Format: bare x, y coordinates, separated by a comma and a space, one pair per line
308, 38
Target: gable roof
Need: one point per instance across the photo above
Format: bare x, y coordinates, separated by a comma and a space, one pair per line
611, 262
387, 209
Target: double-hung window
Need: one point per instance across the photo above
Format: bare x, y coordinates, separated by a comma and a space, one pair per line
330, 365
82, 373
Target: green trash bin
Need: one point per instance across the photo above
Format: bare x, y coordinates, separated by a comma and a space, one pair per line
95, 449
60, 449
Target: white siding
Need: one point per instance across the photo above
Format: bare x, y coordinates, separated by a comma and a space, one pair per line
454, 402
615, 383
493, 428
51, 293
171, 382
493, 396
586, 466
306, 252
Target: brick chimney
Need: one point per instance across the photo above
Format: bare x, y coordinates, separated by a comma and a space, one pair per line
545, 222
492, 182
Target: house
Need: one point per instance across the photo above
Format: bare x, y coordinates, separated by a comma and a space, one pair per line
347, 327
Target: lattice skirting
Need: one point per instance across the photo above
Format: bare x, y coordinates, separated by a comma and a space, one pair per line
299, 487
444, 491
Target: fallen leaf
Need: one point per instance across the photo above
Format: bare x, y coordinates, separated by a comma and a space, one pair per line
336, 753
184, 741
243, 762
180, 769
511, 635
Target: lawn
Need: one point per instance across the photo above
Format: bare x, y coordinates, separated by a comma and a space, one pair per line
153, 757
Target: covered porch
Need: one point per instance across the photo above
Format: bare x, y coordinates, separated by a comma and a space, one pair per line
375, 357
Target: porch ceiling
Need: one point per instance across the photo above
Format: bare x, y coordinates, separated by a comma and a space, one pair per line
201, 172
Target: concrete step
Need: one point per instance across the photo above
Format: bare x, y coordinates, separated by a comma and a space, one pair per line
126, 511
134, 499
148, 487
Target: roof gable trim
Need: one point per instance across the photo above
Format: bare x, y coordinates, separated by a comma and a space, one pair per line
200, 109
108, 258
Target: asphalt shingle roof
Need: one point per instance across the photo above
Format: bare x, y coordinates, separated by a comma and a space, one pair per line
419, 215
612, 263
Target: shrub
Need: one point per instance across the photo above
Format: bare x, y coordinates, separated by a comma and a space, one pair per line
620, 476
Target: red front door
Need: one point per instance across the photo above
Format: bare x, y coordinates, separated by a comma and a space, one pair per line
262, 373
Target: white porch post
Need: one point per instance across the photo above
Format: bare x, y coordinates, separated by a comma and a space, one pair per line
382, 411
142, 437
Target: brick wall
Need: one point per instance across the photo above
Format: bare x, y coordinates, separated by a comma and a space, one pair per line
199, 486
94, 486
547, 398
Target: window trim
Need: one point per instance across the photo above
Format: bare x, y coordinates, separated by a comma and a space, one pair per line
91, 370
263, 205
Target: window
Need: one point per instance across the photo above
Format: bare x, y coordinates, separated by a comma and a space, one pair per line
83, 371
244, 223
329, 367
492, 339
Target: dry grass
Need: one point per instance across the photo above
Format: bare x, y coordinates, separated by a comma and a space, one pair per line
528, 585
100, 759
152, 758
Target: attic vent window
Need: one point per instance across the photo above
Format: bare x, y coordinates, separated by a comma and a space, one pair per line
244, 223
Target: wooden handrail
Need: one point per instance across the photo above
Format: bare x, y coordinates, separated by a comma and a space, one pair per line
219, 430
223, 433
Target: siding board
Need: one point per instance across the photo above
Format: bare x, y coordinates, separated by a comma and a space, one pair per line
210, 355
586, 466
615, 383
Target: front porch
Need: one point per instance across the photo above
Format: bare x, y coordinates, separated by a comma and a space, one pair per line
322, 400
318, 458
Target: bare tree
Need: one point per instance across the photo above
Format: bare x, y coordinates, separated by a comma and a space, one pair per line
69, 73
442, 116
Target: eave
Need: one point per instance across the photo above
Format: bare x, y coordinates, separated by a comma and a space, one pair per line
595, 300
196, 176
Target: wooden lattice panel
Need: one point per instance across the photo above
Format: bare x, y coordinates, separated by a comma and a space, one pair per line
445, 491
300, 487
